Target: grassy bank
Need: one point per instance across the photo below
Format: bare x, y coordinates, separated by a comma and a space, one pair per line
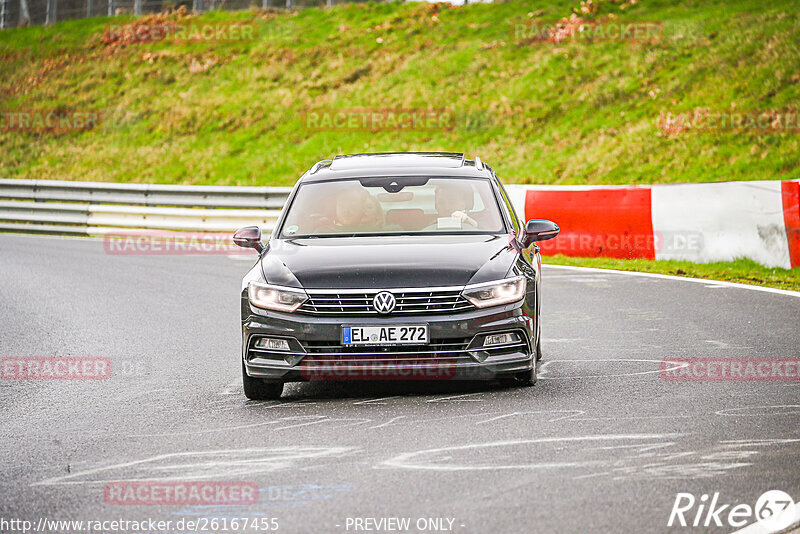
235, 112
740, 271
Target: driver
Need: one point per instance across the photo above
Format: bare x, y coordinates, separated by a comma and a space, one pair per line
453, 200
355, 210
351, 209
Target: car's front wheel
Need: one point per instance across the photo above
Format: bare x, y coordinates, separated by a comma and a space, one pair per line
538, 340
257, 389
524, 378
539, 347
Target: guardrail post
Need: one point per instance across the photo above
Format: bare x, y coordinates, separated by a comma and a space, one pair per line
137, 8
24, 14
50, 17
89, 8
110, 8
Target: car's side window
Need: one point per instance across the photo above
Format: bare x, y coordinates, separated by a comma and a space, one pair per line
509, 206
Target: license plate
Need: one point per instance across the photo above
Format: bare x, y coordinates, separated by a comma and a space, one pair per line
385, 335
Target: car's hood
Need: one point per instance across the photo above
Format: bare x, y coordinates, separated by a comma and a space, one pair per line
388, 262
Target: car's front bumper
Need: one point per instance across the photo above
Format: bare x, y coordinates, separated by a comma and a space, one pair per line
455, 350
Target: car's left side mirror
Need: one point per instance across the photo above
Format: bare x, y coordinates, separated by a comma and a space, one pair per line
539, 230
249, 237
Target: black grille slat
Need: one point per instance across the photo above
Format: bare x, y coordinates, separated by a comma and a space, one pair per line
407, 302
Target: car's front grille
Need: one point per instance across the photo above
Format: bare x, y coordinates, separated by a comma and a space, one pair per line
408, 302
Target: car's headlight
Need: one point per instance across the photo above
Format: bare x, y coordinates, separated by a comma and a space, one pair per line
274, 297
495, 293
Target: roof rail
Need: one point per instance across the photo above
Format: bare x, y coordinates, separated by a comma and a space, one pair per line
318, 165
478, 163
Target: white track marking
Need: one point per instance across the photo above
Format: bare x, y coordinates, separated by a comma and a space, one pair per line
631, 417
416, 459
390, 422
591, 475
544, 368
513, 414
376, 400
758, 442
639, 448
229, 428
716, 283
761, 414
199, 465
232, 388
323, 419
290, 404
458, 398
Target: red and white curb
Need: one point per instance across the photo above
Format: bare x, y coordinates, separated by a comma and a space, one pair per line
700, 222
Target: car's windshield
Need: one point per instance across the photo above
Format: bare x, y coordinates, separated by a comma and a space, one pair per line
401, 205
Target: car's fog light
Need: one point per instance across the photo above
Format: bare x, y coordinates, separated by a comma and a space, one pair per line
500, 339
271, 343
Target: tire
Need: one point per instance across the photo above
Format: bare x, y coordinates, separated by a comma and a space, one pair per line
538, 339
539, 347
522, 379
258, 389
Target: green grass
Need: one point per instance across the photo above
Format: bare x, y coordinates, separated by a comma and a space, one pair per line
739, 271
575, 113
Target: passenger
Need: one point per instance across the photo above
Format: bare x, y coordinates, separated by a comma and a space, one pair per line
373, 219
453, 200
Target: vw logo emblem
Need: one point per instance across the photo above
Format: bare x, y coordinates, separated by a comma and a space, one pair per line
383, 302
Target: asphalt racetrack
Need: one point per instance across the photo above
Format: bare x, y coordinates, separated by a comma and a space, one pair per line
602, 443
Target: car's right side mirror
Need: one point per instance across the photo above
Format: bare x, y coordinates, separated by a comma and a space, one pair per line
249, 237
539, 230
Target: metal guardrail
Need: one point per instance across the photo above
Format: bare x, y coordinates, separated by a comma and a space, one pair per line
91, 208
